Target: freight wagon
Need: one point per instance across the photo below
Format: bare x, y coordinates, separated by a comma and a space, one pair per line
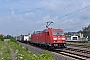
24, 38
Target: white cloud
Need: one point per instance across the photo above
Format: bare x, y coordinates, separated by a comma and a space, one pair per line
12, 12
66, 24
51, 7
33, 15
46, 19
30, 14
0, 19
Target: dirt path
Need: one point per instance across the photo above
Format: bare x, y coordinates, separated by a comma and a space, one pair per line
13, 56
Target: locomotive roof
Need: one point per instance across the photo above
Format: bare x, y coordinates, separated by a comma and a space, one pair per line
44, 30
37, 32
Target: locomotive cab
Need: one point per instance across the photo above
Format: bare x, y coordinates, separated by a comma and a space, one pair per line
59, 38
56, 38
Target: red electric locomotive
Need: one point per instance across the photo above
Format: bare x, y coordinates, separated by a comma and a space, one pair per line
51, 38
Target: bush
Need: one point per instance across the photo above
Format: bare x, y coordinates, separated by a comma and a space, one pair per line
1, 38
13, 40
46, 56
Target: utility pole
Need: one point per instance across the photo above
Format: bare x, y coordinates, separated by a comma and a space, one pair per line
17, 35
12, 34
17, 32
48, 23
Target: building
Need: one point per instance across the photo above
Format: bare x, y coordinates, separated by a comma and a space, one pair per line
2, 35
74, 36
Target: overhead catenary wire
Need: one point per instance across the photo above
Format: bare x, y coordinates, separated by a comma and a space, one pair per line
78, 26
65, 7
75, 11
75, 20
76, 15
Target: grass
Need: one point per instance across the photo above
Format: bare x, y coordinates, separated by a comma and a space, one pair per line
21, 53
85, 44
4, 51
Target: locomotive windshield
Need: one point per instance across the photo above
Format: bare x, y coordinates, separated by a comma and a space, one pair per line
57, 32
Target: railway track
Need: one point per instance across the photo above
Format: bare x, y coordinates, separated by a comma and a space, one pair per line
78, 52
75, 53
81, 46
38, 50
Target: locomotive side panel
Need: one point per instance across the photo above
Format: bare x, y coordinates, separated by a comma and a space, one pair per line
48, 37
42, 37
34, 38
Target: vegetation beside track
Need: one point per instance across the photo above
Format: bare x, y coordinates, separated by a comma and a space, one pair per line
20, 52
4, 51
76, 43
87, 44
24, 54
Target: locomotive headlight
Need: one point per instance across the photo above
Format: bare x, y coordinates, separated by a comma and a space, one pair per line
55, 44
63, 38
54, 38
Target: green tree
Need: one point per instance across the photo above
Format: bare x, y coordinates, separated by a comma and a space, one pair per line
85, 31
68, 33
1, 38
12, 39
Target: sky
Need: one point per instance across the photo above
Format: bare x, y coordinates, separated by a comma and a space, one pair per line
26, 16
